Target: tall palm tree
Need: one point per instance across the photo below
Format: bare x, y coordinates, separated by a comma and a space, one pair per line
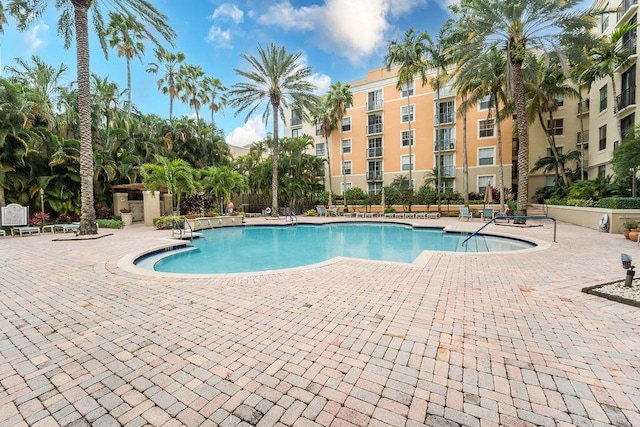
278, 77
546, 83
217, 95
410, 56
74, 21
519, 28
605, 58
322, 117
191, 83
339, 99
167, 83
126, 35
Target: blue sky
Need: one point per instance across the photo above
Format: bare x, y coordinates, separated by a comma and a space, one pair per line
339, 39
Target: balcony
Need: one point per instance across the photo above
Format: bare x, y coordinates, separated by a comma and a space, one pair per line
445, 144
374, 152
374, 105
626, 98
375, 128
444, 118
585, 138
626, 10
374, 176
583, 107
628, 47
296, 121
448, 172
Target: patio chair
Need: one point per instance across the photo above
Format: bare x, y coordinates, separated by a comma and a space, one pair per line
487, 214
465, 213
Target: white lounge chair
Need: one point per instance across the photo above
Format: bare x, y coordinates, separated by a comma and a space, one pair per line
465, 213
25, 230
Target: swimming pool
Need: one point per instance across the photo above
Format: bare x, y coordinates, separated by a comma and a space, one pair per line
260, 248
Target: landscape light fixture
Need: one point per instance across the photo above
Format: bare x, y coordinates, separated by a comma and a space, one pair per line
626, 264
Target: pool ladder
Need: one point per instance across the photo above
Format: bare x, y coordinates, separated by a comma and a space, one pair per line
182, 229
290, 216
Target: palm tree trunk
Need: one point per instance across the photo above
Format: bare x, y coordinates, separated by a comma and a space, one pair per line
344, 174
274, 157
410, 144
581, 140
559, 166
500, 162
88, 214
615, 109
128, 86
439, 169
170, 107
465, 160
326, 143
523, 140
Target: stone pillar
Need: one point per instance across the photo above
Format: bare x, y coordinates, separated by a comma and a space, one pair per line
151, 204
120, 201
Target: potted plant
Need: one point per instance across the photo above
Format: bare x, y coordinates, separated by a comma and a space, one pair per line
127, 216
628, 226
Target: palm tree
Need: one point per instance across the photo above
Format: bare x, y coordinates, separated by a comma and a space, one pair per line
167, 83
215, 90
339, 98
519, 28
223, 181
175, 175
605, 58
411, 58
193, 87
545, 84
322, 117
553, 164
277, 76
74, 21
126, 35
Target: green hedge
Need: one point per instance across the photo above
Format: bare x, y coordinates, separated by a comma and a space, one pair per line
164, 222
619, 202
109, 223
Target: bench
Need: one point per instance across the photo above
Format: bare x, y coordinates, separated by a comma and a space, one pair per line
23, 230
433, 215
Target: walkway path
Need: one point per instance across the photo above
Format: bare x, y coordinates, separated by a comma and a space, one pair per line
473, 340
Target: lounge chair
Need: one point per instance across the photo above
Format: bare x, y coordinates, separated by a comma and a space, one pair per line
25, 230
334, 211
3, 233
464, 213
487, 214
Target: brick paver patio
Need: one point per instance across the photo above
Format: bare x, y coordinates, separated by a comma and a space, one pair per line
455, 339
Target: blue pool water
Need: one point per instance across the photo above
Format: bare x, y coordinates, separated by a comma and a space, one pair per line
259, 248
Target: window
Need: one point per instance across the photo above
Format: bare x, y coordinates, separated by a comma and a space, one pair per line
550, 153
405, 163
374, 170
550, 181
404, 116
374, 147
320, 149
602, 171
445, 139
346, 167
483, 104
345, 186
445, 112
447, 168
605, 22
374, 187
485, 156
374, 123
346, 124
483, 180
318, 130
627, 125
295, 132
603, 98
628, 88
602, 137
406, 138
556, 127
559, 99
407, 90
486, 128
346, 146
295, 119
374, 100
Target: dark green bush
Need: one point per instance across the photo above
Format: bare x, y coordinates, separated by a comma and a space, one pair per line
109, 223
620, 203
164, 222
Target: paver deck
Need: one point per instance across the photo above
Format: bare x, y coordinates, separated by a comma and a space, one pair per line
456, 339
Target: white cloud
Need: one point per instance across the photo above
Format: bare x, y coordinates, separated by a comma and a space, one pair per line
219, 37
228, 11
33, 37
321, 82
253, 131
286, 17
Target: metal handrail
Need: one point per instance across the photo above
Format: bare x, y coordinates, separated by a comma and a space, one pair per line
176, 224
555, 223
291, 217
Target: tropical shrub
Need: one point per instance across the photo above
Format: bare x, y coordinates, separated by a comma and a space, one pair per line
103, 211
109, 223
620, 203
311, 212
164, 222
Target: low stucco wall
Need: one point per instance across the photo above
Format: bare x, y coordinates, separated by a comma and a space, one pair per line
214, 222
590, 217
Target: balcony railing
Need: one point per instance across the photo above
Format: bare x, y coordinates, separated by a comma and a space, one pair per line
445, 144
444, 118
374, 152
375, 128
374, 176
583, 107
585, 137
626, 98
628, 47
448, 171
295, 121
374, 105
